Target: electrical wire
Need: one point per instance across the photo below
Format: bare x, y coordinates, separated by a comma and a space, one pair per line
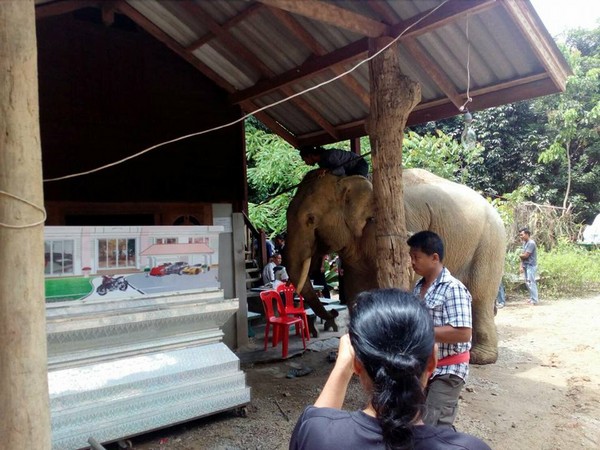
469, 99
271, 105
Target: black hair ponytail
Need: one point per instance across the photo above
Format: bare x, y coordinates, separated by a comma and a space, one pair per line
392, 335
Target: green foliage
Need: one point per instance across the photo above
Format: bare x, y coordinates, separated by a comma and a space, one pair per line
274, 168
549, 144
440, 154
567, 269
331, 274
571, 157
507, 204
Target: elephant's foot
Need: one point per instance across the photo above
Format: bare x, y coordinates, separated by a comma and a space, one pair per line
330, 323
481, 355
312, 328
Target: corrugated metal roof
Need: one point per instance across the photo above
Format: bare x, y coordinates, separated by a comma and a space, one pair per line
263, 51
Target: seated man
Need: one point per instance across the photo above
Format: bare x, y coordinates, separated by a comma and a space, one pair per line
268, 273
281, 276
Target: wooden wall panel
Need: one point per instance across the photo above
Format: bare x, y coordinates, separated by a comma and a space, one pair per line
110, 92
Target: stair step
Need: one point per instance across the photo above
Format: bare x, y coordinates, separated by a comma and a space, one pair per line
252, 280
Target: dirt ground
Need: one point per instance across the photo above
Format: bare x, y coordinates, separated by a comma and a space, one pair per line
543, 393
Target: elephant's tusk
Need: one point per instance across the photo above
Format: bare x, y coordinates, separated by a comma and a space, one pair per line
303, 274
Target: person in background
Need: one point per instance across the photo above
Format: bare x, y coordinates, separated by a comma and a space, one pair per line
280, 246
528, 265
334, 161
391, 347
317, 275
449, 303
270, 248
281, 276
268, 273
501, 297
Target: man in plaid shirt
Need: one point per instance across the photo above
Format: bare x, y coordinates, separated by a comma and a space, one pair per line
449, 303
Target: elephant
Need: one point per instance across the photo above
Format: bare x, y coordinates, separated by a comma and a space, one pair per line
336, 214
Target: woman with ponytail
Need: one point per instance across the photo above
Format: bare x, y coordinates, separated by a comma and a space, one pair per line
390, 347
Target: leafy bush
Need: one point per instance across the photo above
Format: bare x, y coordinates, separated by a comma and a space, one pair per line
567, 269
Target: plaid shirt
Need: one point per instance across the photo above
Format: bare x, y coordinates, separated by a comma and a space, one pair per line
449, 303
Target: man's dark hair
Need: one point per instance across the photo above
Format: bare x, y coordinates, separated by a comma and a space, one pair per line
310, 150
428, 242
280, 236
525, 230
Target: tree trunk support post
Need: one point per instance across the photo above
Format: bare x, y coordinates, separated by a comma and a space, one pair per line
393, 96
25, 412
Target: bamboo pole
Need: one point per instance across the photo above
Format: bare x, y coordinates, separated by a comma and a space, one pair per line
393, 96
24, 410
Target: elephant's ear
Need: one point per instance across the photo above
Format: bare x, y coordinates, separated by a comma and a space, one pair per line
355, 197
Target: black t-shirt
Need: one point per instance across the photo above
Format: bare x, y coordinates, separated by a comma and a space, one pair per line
328, 428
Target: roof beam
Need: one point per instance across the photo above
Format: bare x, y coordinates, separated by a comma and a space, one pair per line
331, 14
433, 70
447, 13
153, 30
300, 32
108, 13
226, 38
530, 87
359, 49
64, 7
542, 43
308, 69
243, 52
250, 10
271, 123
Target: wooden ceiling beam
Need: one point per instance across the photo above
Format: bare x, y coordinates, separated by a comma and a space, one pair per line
542, 43
385, 11
249, 11
316, 48
226, 38
511, 91
358, 49
57, 8
312, 113
108, 13
271, 123
332, 15
244, 53
434, 71
349, 53
447, 13
152, 29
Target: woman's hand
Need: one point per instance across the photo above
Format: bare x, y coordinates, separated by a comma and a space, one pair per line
345, 357
334, 391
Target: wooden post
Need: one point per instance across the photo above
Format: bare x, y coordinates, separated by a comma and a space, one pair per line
393, 96
24, 410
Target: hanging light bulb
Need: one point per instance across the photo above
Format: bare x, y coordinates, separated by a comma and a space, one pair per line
468, 138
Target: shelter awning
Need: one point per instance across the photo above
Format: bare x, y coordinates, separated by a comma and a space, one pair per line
262, 52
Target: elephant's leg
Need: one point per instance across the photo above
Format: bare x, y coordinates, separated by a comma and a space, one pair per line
311, 326
330, 323
485, 339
